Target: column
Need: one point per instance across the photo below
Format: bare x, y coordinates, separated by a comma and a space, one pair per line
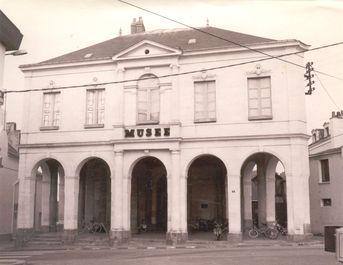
175, 235
247, 195
61, 203
26, 206
71, 196
118, 233
45, 221
261, 191
297, 174
270, 189
234, 207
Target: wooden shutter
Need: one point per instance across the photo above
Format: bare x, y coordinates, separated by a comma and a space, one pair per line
211, 101
100, 106
154, 104
56, 108
199, 101
259, 94
142, 105
90, 107
47, 109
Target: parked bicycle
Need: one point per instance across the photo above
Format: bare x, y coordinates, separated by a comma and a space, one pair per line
219, 230
266, 231
93, 227
281, 229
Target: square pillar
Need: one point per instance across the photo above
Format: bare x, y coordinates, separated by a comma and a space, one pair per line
175, 234
26, 204
118, 233
298, 208
234, 207
71, 196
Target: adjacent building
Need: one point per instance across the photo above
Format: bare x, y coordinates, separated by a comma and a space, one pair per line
10, 39
326, 167
163, 129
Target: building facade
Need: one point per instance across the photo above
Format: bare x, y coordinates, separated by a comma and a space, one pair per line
326, 167
10, 39
157, 129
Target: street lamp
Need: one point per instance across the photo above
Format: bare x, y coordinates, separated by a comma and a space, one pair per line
16, 52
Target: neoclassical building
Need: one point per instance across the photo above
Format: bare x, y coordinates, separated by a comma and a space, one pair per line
165, 128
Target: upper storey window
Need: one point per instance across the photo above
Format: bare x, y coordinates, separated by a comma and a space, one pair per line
148, 100
51, 110
260, 103
95, 109
204, 101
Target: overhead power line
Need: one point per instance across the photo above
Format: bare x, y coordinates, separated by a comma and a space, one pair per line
327, 92
169, 75
224, 39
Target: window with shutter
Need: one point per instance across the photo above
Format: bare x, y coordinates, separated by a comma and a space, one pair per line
259, 98
95, 109
51, 110
204, 101
148, 100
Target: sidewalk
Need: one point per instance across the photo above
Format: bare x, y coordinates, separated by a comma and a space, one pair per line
158, 242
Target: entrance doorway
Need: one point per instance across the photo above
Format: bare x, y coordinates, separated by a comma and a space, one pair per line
264, 191
206, 195
149, 196
49, 196
95, 194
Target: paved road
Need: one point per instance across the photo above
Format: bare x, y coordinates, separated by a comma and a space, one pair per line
241, 256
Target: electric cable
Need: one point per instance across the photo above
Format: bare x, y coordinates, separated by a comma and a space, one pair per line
221, 38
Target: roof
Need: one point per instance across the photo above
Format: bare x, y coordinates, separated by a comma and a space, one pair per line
331, 151
175, 38
10, 35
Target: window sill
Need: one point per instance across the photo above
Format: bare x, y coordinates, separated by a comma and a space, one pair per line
49, 128
148, 123
257, 118
324, 182
92, 126
205, 121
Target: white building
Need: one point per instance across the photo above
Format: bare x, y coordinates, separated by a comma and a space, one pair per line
10, 39
156, 128
326, 167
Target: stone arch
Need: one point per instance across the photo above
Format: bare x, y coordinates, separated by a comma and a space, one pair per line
48, 174
94, 175
88, 158
263, 190
200, 154
148, 194
206, 193
136, 161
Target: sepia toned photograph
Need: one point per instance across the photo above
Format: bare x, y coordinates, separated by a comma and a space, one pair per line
203, 132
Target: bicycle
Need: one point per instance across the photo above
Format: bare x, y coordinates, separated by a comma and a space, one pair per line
266, 231
219, 230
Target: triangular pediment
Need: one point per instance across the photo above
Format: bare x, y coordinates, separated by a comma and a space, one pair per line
146, 49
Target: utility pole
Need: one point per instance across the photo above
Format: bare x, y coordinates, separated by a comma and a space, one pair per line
308, 75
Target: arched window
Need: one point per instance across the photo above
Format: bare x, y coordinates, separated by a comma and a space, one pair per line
148, 99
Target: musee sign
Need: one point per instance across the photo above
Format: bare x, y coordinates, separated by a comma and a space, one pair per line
146, 132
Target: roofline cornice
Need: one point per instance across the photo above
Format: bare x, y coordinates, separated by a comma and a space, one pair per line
109, 60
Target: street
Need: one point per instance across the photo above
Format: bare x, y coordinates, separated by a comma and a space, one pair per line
247, 256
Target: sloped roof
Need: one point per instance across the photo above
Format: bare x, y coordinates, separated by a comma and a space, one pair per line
176, 38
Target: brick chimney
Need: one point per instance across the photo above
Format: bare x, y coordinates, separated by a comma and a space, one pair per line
137, 26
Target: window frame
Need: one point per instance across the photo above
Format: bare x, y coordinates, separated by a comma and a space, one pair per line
206, 119
149, 101
321, 169
51, 125
260, 116
95, 110
326, 202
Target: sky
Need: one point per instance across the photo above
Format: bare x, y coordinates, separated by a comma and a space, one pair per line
53, 28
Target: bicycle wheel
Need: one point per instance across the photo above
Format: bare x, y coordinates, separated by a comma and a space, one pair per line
272, 233
253, 233
96, 228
